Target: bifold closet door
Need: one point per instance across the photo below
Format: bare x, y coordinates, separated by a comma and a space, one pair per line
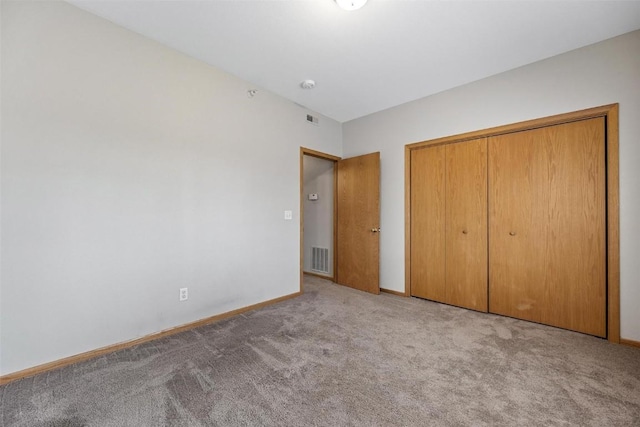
466, 224
449, 224
547, 222
428, 223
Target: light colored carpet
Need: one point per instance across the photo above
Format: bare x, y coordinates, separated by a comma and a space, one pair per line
338, 357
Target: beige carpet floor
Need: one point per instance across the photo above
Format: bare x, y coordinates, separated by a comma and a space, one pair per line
338, 357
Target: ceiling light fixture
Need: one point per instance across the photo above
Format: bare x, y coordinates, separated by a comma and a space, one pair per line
351, 4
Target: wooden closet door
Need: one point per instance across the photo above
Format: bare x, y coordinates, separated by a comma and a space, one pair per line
547, 239
466, 224
428, 223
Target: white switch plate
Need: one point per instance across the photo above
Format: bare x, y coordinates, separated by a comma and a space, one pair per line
288, 214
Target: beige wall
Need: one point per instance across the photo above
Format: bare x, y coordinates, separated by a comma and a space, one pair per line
128, 171
604, 73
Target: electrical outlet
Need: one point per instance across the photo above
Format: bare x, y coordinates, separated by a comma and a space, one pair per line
184, 294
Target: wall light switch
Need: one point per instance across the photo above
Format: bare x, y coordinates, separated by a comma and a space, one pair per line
288, 214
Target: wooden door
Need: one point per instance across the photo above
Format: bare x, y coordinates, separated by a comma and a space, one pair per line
547, 246
358, 225
428, 273
466, 224
449, 224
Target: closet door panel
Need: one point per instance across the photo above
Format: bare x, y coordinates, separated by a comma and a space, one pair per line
428, 223
466, 224
516, 245
547, 245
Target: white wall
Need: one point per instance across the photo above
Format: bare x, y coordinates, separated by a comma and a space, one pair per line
604, 73
128, 171
318, 214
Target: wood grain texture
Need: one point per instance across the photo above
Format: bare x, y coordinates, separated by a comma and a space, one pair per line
610, 113
631, 343
407, 220
613, 226
358, 213
335, 222
428, 227
120, 346
466, 224
547, 216
318, 154
392, 292
301, 210
601, 111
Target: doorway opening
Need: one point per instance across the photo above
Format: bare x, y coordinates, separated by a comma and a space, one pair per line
318, 214
356, 221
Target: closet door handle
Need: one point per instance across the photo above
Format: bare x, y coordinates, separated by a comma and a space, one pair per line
465, 232
512, 233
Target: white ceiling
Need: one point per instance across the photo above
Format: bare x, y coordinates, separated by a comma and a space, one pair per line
385, 54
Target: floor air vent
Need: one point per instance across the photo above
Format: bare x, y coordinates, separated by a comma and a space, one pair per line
320, 259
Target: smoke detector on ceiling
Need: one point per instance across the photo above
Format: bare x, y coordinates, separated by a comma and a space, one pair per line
308, 84
351, 4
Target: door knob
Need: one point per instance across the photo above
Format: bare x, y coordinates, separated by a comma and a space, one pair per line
375, 230
464, 231
512, 233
